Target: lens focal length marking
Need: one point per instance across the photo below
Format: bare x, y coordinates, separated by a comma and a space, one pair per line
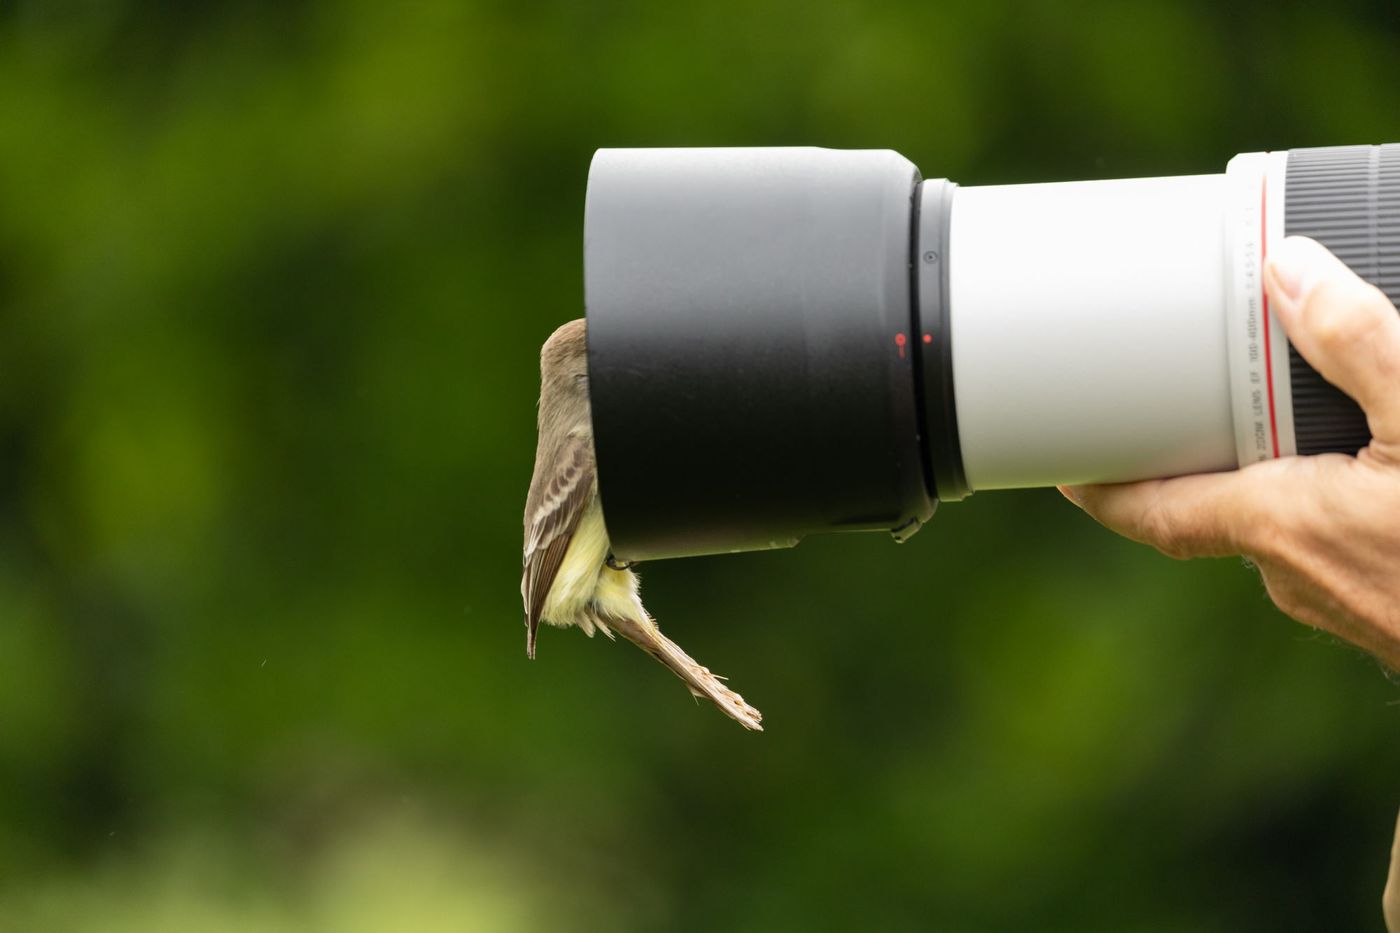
1259, 369
1264, 304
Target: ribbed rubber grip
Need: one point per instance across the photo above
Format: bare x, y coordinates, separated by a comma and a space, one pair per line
1348, 199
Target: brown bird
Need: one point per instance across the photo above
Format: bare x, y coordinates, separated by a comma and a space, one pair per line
569, 576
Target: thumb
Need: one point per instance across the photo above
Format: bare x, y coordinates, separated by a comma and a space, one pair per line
1345, 327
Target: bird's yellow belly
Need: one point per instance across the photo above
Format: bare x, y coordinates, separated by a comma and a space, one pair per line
585, 582
578, 576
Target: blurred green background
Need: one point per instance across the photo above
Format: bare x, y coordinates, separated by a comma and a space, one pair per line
273, 279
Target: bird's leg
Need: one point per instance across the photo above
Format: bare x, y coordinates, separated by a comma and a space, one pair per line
616, 564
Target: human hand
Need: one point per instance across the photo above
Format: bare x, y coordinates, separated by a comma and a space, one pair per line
1324, 531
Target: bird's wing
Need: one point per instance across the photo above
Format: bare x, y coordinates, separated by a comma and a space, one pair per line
559, 493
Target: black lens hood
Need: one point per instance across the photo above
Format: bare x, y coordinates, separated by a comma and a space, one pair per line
754, 349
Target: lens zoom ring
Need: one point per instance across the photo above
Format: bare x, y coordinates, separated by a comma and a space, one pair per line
1348, 199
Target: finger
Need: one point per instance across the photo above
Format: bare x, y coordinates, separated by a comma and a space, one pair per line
1193, 516
1345, 327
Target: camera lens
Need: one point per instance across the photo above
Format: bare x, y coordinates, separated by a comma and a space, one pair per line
787, 341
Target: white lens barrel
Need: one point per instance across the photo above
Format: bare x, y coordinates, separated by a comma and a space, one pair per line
1087, 328
1108, 331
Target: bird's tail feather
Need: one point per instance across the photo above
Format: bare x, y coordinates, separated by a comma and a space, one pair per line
646, 635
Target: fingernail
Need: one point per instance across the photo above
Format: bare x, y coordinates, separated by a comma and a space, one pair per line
1072, 494
1296, 265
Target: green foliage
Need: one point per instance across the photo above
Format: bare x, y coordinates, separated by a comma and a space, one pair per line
273, 279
